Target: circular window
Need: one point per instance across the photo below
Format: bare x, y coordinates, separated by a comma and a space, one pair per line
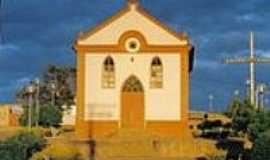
132, 45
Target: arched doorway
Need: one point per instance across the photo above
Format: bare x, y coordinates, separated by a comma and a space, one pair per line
132, 104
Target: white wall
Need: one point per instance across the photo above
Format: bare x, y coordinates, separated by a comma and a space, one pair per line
160, 104
69, 115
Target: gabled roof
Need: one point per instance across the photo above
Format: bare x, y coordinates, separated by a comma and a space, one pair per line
133, 5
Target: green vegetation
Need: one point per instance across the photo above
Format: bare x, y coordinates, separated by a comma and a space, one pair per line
55, 89
247, 124
21, 146
253, 124
48, 116
261, 147
260, 124
259, 133
242, 115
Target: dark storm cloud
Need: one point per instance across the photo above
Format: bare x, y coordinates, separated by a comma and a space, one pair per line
40, 32
219, 29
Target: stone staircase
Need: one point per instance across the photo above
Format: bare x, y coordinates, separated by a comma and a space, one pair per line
128, 144
147, 158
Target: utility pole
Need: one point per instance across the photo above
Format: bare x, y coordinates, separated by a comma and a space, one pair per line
247, 88
37, 83
53, 91
260, 91
252, 60
211, 104
30, 91
236, 94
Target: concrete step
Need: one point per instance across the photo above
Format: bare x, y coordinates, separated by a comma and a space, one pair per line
146, 158
132, 134
140, 145
126, 143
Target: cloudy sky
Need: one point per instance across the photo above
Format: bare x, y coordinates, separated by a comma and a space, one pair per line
36, 33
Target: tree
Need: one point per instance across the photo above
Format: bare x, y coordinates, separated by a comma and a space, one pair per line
242, 116
259, 125
48, 116
64, 79
21, 146
261, 147
65, 82
233, 107
24, 117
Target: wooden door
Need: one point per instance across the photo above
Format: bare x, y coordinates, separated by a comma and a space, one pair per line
132, 104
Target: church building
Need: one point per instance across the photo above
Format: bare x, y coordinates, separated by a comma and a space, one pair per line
133, 73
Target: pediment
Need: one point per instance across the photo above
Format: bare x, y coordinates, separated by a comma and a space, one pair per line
132, 18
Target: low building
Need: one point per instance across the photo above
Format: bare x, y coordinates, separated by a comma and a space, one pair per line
9, 115
69, 115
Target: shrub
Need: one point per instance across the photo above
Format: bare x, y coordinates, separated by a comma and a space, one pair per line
261, 147
259, 124
48, 116
21, 146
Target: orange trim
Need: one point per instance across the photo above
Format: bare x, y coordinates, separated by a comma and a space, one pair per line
184, 86
80, 127
120, 13
169, 128
120, 47
87, 49
132, 34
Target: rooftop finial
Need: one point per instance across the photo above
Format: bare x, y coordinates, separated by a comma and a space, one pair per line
133, 3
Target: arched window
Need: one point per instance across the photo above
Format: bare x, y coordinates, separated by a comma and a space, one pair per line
156, 78
108, 73
132, 84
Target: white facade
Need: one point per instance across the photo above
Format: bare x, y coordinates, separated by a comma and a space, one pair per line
160, 104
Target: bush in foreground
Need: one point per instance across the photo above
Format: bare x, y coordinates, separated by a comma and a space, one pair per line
21, 146
261, 147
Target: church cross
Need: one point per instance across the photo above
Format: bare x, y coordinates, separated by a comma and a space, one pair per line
252, 60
